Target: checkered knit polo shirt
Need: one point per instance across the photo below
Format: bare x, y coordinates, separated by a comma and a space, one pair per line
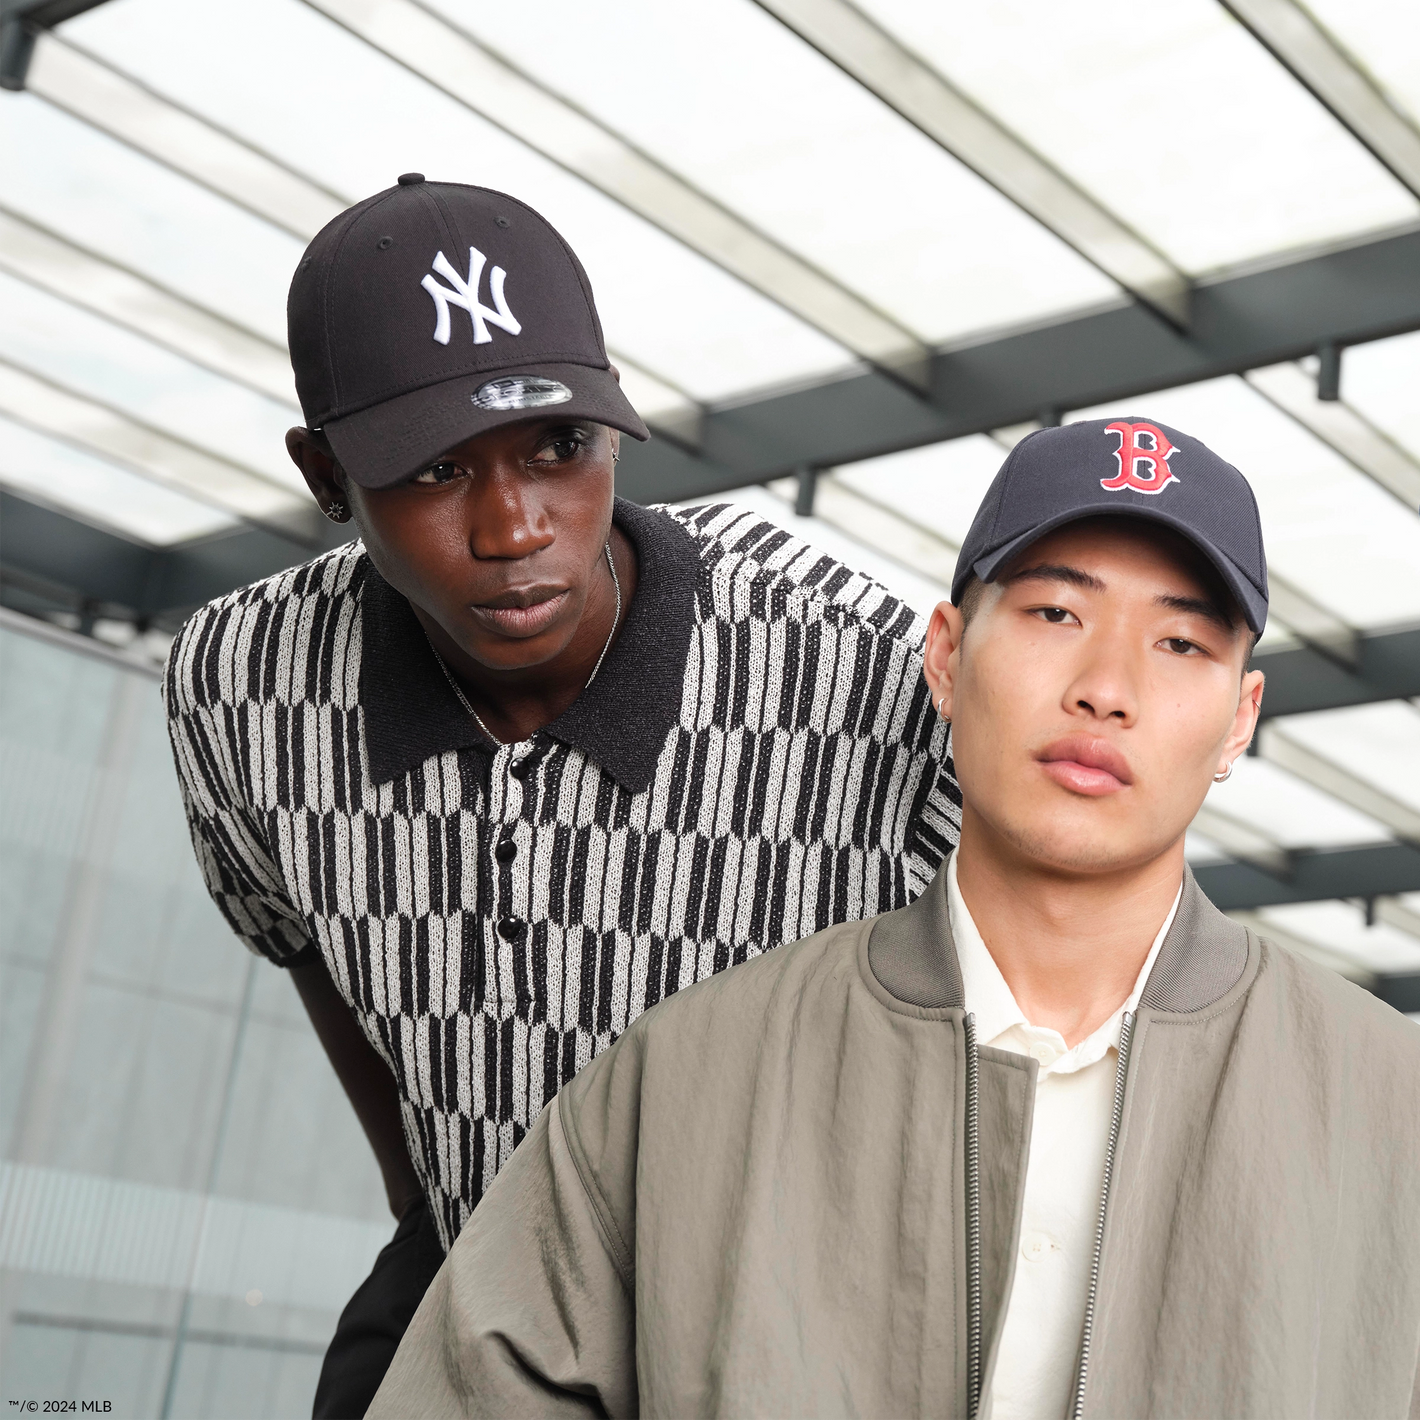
757, 759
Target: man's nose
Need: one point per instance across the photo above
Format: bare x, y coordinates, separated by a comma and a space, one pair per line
506, 521
1104, 686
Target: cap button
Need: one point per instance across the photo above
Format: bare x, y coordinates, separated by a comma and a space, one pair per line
409, 179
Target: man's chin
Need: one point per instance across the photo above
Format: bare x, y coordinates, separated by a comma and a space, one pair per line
1076, 850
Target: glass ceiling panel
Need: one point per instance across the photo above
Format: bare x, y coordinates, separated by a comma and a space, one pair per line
1382, 380
356, 120
1329, 530
102, 195
939, 486
1341, 926
95, 491
785, 138
115, 367
1379, 743
1169, 113
1384, 37
1289, 811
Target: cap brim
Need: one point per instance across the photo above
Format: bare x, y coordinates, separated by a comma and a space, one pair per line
1251, 599
393, 441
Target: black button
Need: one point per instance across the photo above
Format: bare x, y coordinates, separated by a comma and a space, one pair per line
506, 851
511, 928
409, 179
522, 768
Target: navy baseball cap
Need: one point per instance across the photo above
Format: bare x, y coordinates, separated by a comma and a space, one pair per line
1121, 466
434, 311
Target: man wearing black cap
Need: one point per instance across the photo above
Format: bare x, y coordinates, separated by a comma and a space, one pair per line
525, 759
1058, 1139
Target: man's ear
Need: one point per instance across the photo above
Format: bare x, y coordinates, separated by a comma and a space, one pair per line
324, 477
1244, 722
940, 660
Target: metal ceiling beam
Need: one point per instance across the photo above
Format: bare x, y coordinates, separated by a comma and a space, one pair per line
1300, 678
1315, 58
884, 66
95, 565
483, 81
21, 24
1240, 321
1374, 871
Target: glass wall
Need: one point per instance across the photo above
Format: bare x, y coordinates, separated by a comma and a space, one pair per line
187, 1199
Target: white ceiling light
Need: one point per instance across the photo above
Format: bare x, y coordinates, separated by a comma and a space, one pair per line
1324, 67
109, 433
478, 78
925, 99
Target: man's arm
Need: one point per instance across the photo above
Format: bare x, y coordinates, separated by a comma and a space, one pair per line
532, 1313
368, 1082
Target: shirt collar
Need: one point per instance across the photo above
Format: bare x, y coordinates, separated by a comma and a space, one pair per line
620, 721
1000, 1020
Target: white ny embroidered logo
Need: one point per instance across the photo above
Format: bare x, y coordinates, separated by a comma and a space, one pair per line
465, 294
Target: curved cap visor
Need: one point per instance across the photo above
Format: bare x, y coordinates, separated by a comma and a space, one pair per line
396, 439
1252, 602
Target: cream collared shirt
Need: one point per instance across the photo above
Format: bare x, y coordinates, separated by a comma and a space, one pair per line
1074, 1100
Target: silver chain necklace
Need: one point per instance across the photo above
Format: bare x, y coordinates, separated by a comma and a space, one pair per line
458, 689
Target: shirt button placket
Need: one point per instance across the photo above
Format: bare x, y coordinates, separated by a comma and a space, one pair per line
512, 924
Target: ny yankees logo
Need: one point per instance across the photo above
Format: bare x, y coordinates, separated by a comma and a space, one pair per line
465, 294
1131, 453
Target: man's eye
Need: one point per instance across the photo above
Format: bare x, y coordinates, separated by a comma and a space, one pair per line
439, 473
561, 449
1055, 615
1180, 646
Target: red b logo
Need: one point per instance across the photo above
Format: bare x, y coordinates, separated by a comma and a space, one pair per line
1156, 474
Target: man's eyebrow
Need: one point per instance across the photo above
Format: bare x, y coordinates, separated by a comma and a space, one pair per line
1199, 606
1056, 572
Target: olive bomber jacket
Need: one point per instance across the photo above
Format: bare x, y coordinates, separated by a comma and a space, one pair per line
795, 1189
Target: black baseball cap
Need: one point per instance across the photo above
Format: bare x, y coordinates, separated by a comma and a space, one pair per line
434, 311
1121, 466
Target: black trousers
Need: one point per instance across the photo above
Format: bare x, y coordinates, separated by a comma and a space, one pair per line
375, 1318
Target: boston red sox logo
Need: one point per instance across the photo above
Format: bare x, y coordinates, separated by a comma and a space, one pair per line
1143, 467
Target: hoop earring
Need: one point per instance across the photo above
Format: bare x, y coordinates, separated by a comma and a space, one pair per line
1224, 776
942, 701
336, 512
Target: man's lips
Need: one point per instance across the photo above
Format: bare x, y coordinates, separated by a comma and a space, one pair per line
1086, 764
522, 612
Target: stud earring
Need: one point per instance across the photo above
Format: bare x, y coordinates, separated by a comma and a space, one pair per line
336, 512
1224, 776
615, 456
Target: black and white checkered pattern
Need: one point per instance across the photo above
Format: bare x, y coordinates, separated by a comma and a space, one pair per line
804, 781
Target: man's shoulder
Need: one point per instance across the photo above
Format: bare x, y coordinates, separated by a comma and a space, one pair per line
751, 566
1338, 1017
221, 638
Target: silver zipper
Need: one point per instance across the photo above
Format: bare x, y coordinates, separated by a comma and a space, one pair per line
1126, 1031
973, 1224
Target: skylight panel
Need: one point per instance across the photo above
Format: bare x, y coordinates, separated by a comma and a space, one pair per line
357, 120
109, 364
1378, 743
1290, 812
787, 140
939, 486
1328, 529
1341, 927
1382, 380
1384, 37
99, 193
98, 492
1172, 115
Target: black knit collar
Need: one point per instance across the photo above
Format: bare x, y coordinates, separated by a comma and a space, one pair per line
621, 721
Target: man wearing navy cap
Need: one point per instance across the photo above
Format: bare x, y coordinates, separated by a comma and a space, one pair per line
1056, 1139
